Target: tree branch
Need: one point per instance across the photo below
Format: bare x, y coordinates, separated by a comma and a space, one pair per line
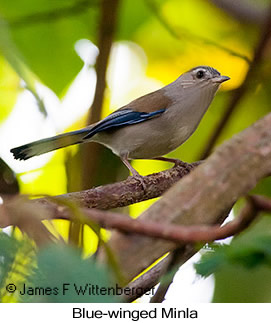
91, 154
19, 212
261, 203
124, 193
106, 33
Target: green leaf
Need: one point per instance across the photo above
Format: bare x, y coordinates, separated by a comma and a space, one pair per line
45, 33
17, 259
13, 57
68, 278
8, 249
210, 263
255, 252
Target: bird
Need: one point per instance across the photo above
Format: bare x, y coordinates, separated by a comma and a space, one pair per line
149, 127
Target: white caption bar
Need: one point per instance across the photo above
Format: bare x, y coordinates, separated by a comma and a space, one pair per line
209, 313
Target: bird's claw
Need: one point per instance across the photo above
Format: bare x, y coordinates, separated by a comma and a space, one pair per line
140, 179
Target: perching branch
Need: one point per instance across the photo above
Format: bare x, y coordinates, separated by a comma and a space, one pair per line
124, 193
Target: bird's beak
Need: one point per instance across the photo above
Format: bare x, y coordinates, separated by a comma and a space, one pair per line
220, 79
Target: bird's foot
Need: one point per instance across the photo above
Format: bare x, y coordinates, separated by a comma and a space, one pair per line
175, 161
140, 179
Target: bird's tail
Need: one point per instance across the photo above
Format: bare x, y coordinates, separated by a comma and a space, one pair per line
48, 144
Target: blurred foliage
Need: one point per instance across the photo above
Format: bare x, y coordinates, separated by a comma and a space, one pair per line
60, 265
44, 33
41, 276
17, 259
254, 254
155, 41
242, 269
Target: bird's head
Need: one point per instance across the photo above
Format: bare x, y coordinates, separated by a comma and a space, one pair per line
202, 76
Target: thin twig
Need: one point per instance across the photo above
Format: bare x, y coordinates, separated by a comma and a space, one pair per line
190, 36
241, 91
261, 203
166, 231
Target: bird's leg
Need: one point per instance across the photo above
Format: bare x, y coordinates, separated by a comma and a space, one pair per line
135, 174
129, 166
175, 161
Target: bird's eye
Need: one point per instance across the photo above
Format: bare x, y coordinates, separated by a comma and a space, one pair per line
200, 74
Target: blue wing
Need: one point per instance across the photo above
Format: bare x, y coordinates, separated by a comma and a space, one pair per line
122, 118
